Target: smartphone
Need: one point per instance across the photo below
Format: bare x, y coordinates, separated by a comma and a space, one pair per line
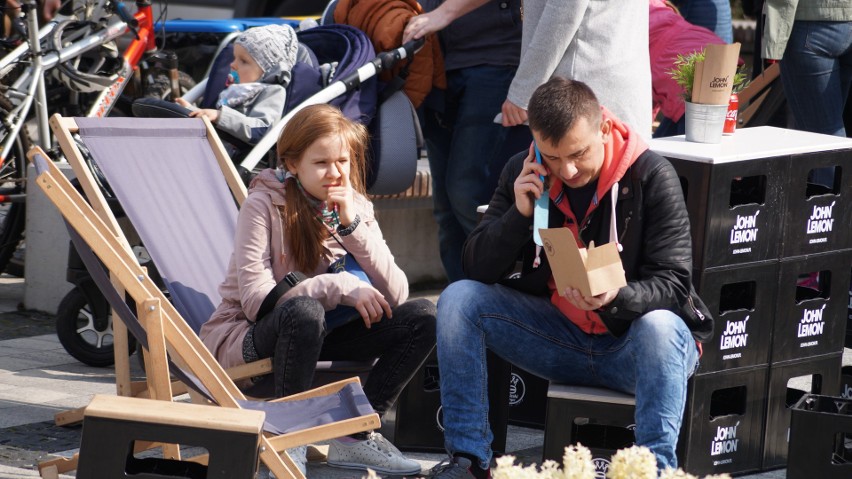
540, 213
538, 160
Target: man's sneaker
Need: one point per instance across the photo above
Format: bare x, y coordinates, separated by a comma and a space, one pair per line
376, 453
452, 468
299, 455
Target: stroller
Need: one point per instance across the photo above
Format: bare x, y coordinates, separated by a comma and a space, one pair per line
338, 66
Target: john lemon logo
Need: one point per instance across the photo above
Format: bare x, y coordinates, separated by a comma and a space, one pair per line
821, 220
847, 391
811, 323
726, 440
745, 229
735, 335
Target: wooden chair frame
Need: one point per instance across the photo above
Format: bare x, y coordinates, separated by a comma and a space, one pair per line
176, 336
64, 129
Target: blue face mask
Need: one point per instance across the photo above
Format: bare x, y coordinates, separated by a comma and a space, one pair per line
233, 78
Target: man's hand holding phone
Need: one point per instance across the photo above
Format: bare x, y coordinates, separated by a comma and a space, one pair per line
529, 185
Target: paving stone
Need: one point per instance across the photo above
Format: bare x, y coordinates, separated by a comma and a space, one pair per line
33, 395
23, 324
27, 444
14, 363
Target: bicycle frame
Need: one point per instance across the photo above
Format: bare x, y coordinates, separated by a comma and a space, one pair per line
29, 87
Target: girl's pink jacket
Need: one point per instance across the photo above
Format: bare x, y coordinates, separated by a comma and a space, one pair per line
670, 35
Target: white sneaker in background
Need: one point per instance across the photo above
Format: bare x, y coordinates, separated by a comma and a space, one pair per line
376, 453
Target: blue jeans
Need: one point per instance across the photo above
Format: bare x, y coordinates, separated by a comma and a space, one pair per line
816, 72
714, 15
467, 152
668, 127
653, 360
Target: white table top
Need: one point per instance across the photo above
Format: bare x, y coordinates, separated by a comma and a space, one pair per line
749, 144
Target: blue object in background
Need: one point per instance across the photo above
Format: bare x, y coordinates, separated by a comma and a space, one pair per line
343, 314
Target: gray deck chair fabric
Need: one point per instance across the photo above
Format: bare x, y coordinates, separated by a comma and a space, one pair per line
167, 180
281, 417
165, 176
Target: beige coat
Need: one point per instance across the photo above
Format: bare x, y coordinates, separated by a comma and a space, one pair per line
261, 259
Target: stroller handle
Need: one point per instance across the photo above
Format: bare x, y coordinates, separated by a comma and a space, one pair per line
390, 58
383, 61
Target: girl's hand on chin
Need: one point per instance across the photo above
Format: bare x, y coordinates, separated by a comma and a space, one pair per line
343, 198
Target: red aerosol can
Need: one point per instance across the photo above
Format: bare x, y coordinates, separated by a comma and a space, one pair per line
731, 117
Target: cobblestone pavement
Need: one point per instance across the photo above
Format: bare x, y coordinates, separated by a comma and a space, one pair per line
25, 324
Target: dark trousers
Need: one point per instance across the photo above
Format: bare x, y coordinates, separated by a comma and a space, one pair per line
294, 334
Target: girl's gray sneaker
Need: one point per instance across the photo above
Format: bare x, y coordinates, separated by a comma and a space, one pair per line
376, 453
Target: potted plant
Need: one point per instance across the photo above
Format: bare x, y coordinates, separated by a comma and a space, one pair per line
683, 72
704, 120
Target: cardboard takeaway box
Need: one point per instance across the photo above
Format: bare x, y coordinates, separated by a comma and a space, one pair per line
593, 271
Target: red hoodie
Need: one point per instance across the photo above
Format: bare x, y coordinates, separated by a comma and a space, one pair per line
624, 146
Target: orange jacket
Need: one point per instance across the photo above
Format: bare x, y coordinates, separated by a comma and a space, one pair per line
383, 21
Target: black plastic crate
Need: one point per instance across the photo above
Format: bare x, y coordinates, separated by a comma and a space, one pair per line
813, 293
600, 419
415, 423
734, 209
816, 376
820, 438
848, 342
722, 428
742, 301
818, 215
527, 399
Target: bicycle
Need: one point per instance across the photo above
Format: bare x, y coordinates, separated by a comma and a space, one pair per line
88, 76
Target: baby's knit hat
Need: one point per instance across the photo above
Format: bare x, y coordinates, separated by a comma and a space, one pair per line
270, 46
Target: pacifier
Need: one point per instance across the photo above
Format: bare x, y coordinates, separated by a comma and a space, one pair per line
233, 77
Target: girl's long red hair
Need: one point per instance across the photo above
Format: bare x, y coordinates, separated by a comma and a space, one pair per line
302, 231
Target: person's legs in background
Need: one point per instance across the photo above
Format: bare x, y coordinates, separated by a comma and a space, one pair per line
465, 146
668, 127
714, 15
816, 72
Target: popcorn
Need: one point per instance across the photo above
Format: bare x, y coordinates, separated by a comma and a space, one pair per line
670, 473
636, 462
577, 463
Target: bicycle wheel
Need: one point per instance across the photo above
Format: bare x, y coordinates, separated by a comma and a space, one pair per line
12, 183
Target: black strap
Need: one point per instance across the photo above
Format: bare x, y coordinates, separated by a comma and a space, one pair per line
289, 280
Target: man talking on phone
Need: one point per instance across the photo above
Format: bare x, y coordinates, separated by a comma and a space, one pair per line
599, 180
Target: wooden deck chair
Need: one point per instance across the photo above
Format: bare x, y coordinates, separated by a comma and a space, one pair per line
331, 411
182, 201
761, 100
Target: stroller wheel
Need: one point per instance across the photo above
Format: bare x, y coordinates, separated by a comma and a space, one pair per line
86, 335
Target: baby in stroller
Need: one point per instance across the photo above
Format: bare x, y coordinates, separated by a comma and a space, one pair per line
255, 92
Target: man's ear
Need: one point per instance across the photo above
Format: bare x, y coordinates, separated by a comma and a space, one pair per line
606, 128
